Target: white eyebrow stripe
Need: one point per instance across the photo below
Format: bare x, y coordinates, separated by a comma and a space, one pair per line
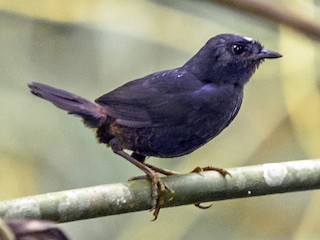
248, 39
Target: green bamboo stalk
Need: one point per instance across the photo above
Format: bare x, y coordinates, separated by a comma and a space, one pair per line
193, 188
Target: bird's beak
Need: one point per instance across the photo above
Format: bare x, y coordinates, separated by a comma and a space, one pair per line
264, 53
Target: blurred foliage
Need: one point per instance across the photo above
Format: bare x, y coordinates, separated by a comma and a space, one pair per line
17, 229
91, 47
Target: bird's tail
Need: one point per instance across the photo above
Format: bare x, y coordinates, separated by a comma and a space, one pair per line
92, 113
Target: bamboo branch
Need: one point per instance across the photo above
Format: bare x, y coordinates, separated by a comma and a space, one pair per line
190, 188
276, 12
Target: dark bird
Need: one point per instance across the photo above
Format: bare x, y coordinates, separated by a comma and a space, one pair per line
169, 113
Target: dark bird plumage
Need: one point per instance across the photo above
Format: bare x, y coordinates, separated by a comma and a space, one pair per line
170, 113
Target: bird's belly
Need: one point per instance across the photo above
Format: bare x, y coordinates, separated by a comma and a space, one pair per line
174, 141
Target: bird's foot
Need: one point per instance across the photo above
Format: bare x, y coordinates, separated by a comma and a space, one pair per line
222, 171
159, 192
158, 195
199, 170
158, 188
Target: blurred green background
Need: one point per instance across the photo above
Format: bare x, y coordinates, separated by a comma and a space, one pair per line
89, 47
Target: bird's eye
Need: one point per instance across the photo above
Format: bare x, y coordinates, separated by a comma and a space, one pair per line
238, 48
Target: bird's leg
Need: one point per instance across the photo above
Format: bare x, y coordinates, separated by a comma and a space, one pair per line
158, 189
163, 171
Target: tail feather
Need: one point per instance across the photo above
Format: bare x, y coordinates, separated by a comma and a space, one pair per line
92, 113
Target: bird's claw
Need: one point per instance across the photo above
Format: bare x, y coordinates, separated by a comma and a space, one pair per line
158, 195
198, 205
222, 171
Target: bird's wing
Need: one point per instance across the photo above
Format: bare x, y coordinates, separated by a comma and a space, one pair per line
166, 97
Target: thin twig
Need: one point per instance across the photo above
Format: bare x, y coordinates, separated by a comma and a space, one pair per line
276, 12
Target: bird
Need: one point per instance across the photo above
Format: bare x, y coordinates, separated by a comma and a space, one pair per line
169, 113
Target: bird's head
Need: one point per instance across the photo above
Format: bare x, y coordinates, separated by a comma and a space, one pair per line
229, 58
